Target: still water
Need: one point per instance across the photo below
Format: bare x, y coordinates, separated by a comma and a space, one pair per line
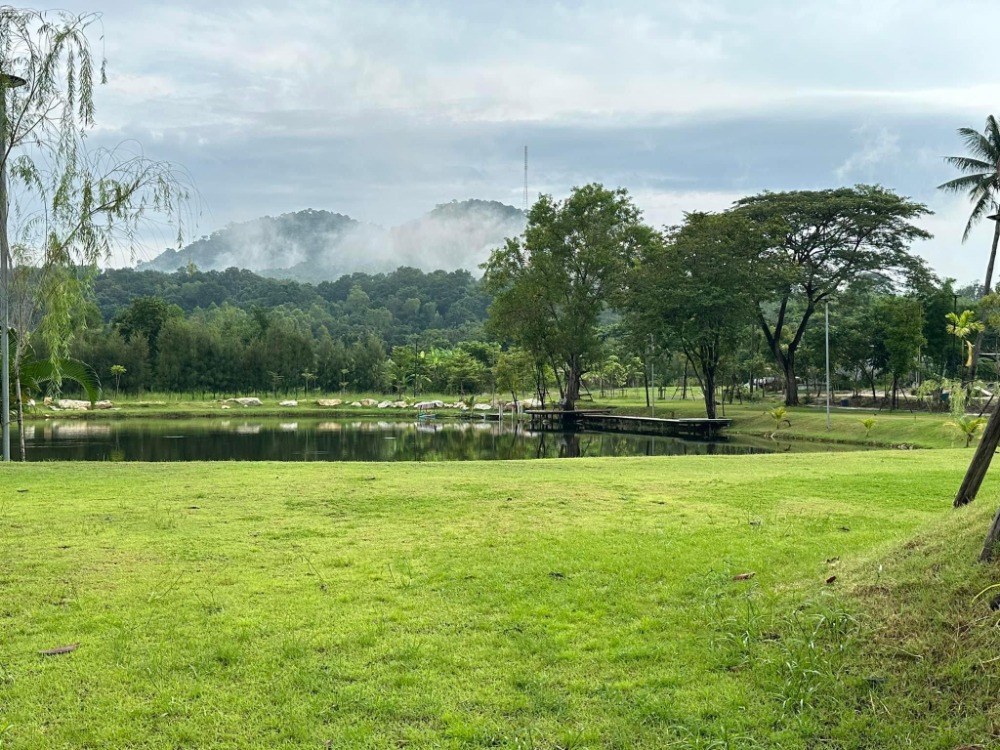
342, 440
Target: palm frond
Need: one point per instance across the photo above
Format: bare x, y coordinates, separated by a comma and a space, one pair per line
978, 145
971, 167
967, 182
980, 209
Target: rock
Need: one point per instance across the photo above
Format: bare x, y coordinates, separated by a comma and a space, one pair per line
369, 402
482, 407
289, 402
355, 403
463, 406
531, 403
430, 405
384, 404
226, 406
400, 404
47, 401
103, 405
250, 401
72, 404
329, 402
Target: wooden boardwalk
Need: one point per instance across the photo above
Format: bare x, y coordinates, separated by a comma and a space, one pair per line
604, 421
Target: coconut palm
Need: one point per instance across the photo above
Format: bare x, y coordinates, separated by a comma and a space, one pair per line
980, 180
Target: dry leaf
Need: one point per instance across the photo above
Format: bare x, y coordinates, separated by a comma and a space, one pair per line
60, 650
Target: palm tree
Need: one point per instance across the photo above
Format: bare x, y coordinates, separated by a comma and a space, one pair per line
962, 327
980, 180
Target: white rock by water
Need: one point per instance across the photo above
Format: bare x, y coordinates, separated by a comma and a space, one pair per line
430, 405
329, 402
289, 402
249, 401
73, 404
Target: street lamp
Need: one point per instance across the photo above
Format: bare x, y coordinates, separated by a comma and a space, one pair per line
6, 82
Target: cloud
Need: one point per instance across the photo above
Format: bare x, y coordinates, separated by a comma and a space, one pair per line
879, 147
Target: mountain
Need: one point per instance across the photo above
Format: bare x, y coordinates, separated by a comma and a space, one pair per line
315, 245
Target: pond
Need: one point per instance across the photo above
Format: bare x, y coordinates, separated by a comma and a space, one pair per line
346, 440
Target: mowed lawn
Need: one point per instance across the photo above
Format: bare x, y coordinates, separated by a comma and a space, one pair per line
544, 604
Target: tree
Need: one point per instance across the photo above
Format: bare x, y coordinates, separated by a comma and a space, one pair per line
962, 326
695, 291
118, 371
550, 286
818, 241
70, 203
980, 180
903, 319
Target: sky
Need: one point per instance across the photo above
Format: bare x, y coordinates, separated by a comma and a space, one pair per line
381, 109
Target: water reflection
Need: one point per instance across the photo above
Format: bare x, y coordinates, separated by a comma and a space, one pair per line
330, 440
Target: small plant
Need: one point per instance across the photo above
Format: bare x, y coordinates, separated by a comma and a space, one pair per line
118, 371
868, 423
778, 415
967, 425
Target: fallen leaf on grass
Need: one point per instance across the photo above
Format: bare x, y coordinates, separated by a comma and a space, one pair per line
60, 650
744, 576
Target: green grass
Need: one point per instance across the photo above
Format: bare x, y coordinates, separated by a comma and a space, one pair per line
892, 429
583, 604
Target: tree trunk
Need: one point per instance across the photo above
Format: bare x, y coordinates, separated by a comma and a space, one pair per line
791, 384
987, 285
708, 386
980, 463
20, 412
572, 392
992, 537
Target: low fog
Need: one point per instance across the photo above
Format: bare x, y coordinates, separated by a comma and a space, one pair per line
314, 245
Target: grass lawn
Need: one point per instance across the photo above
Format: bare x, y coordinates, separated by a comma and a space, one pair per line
547, 604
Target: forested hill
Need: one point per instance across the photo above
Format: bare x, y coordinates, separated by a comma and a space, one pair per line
392, 305
315, 245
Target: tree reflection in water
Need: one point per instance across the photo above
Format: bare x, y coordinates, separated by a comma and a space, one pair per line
340, 440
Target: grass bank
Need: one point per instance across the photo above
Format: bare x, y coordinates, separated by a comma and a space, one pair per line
584, 604
917, 429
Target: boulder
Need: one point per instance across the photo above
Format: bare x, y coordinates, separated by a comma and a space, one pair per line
369, 402
384, 404
482, 407
400, 404
226, 406
355, 403
72, 404
289, 402
103, 405
249, 401
430, 405
329, 402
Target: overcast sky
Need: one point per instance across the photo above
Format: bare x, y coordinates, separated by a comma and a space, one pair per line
381, 110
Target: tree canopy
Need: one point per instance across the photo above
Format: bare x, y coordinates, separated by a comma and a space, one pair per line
550, 286
818, 241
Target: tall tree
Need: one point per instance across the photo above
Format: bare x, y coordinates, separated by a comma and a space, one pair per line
980, 180
550, 285
694, 292
69, 204
818, 241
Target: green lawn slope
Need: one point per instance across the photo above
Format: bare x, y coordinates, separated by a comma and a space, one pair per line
544, 604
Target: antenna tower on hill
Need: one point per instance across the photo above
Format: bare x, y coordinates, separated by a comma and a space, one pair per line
525, 179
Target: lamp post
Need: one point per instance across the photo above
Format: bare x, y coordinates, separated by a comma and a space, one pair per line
6, 82
827, 366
